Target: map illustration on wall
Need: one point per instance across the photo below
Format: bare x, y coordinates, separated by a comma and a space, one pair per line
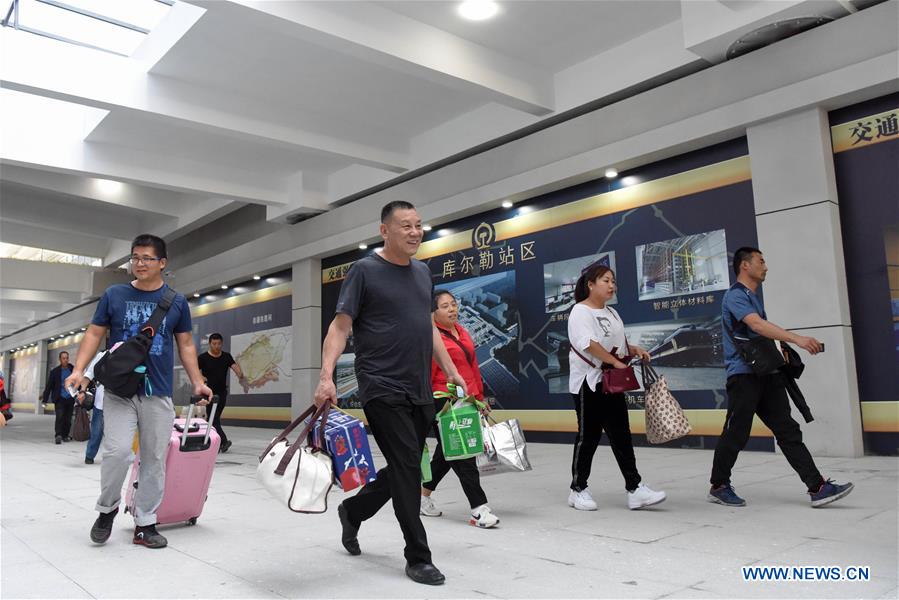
265, 359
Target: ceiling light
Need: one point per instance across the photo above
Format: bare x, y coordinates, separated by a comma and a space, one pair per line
108, 186
196, 294
629, 180
71, 333
363, 246
84, 329
256, 277
507, 204
611, 173
444, 232
478, 10
426, 227
523, 210
224, 286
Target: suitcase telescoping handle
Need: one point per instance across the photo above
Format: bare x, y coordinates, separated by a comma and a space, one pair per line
190, 416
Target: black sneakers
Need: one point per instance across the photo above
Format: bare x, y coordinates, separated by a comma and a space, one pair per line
102, 528
225, 447
88, 461
348, 536
57, 439
149, 537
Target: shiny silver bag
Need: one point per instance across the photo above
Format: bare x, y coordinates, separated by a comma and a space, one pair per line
505, 450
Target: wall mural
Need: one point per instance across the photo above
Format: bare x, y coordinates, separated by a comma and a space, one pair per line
666, 229
865, 141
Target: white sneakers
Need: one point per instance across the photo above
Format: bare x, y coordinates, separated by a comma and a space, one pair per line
428, 508
643, 496
581, 500
639, 498
483, 517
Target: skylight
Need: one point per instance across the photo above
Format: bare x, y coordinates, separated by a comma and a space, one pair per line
17, 252
117, 26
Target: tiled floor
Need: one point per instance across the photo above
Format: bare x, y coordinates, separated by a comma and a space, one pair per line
246, 545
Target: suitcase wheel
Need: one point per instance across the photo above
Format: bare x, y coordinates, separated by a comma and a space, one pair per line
192, 521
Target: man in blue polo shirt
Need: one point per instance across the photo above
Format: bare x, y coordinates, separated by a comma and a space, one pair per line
743, 318
122, 310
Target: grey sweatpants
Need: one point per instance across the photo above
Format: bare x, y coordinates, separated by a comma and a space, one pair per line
152, 417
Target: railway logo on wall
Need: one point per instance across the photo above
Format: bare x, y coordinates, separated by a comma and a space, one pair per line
482, 236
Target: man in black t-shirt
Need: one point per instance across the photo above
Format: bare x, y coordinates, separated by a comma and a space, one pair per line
386, 302
214, 365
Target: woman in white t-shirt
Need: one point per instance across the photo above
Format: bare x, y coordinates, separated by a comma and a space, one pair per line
596, 334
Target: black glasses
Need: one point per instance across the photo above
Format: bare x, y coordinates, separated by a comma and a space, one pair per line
146, 260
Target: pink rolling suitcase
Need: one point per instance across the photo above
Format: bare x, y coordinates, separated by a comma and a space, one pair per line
188, 469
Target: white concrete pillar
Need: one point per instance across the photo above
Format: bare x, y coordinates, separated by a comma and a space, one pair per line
307, 332
42, 370
798, 222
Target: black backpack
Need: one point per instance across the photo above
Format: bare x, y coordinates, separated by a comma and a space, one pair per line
122, 371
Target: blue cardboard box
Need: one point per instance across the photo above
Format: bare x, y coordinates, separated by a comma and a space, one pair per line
348, 444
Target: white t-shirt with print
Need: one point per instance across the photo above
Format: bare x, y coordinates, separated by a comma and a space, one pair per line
585, 324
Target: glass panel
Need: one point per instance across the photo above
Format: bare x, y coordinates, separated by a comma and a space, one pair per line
143, 13
78, 28
17, 252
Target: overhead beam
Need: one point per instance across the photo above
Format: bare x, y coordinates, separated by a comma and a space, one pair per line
12, 295
44, 276
59, 215
47, 134
152, 200
36, 235
381, 36
105, 81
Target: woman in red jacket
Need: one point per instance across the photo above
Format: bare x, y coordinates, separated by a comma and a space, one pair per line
461, 349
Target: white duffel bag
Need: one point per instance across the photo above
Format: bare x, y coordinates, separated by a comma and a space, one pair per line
299, 474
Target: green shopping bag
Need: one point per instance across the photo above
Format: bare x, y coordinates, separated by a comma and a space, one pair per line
459, 425
425, 465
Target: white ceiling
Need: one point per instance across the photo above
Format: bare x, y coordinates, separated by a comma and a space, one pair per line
293, 106
554, 35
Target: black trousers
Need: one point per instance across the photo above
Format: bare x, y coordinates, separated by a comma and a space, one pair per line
765, 396
466, 470
219, 409
598, 412
399, 427
64, 410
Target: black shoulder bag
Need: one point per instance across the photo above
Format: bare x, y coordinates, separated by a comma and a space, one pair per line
122, 371
760, 353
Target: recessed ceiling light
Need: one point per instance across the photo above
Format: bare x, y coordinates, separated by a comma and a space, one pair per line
71, 333
507, 204
84, 329
629, 180
611, 173
108, 186
426, 227
224, 286
478, 10
196, 294
523, 210
363, 246
256, 277
444, 232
